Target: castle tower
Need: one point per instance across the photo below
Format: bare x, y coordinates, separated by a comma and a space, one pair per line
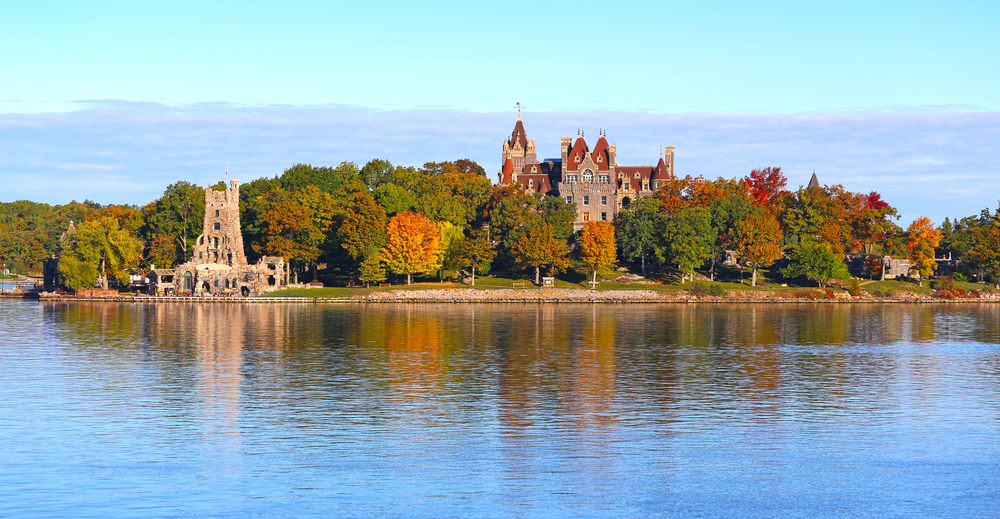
221, 241
519, 149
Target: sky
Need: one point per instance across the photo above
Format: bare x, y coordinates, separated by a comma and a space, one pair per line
112, 101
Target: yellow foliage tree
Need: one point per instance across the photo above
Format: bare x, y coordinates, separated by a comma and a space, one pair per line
922, 239
413, 244
597, 246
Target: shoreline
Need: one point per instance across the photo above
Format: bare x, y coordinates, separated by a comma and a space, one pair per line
506, 296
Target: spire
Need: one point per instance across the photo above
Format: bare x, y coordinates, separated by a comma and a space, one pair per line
813, 182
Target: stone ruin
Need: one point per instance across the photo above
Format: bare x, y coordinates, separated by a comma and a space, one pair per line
219, 266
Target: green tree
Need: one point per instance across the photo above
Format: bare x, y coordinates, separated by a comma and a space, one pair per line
363, 226
179, 212
816, 262
475, 251
371, 270
688, 235
638, 229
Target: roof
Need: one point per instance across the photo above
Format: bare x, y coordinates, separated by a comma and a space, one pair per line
662, 172
162, 272
518, 134
579, 149
601, 150
635, 184
813, 182
507, 173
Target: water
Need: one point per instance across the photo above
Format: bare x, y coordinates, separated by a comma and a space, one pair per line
201, 410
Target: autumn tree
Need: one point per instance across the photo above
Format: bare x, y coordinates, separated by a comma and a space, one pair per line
921, 241
766, 185
756, 239
413, 244
294, 224
597, 247
538, 246
986, 248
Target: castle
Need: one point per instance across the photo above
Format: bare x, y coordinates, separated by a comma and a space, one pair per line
591, 179
219, 265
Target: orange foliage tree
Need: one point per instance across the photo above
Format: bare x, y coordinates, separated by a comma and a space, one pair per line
597, 246
766, 185
923, 238
412, 244
757, 238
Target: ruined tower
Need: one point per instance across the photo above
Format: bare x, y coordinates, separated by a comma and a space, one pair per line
221, 241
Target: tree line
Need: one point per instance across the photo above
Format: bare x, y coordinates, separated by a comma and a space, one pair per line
367, 223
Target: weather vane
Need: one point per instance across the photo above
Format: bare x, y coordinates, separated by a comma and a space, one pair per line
519, 107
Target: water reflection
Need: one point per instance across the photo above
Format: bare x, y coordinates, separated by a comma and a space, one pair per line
428, 410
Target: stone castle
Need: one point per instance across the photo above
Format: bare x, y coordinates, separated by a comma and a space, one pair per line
219, 265
591, 179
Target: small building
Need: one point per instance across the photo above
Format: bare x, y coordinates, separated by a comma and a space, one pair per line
160, 282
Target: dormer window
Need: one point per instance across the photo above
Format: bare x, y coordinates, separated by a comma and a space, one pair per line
636, 174
588, 175
600, 158
534, 169
577, 159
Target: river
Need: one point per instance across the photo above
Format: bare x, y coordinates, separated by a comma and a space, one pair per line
517, 410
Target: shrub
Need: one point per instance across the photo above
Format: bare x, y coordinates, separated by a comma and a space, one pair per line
716, 290
959, 276
699, 289
943, 283
854, 288
830, 295
883, 292
807, 294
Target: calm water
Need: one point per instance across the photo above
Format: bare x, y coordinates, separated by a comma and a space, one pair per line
499, 411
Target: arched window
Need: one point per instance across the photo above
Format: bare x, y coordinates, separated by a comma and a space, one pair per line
216, 215
588, 175
188, 281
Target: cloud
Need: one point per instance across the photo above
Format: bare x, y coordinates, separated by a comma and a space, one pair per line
934, 161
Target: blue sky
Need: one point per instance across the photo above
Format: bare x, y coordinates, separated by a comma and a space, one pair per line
116, 99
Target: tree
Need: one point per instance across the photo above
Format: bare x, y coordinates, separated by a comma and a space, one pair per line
371, 270
636, 230
766, 185
294, 224
101, 247
756, 239
451, 235
180, 213
413, 244
725, 212
538, 246
688, 235
923, 238
816, 262
986, 249
597, 246
363, 226
475, 251
162, 251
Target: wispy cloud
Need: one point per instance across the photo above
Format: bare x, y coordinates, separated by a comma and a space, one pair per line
938, 161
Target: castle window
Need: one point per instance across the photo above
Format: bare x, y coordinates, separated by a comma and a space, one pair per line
645, 187
215, 243
588, 175
604, 217
571, 178
569, 200
217, 225
188, 284
586, 217
216, 213
200, 256
604, 179
636, 174
600, 158
577, 159
604, 200
534, 169
586, 200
